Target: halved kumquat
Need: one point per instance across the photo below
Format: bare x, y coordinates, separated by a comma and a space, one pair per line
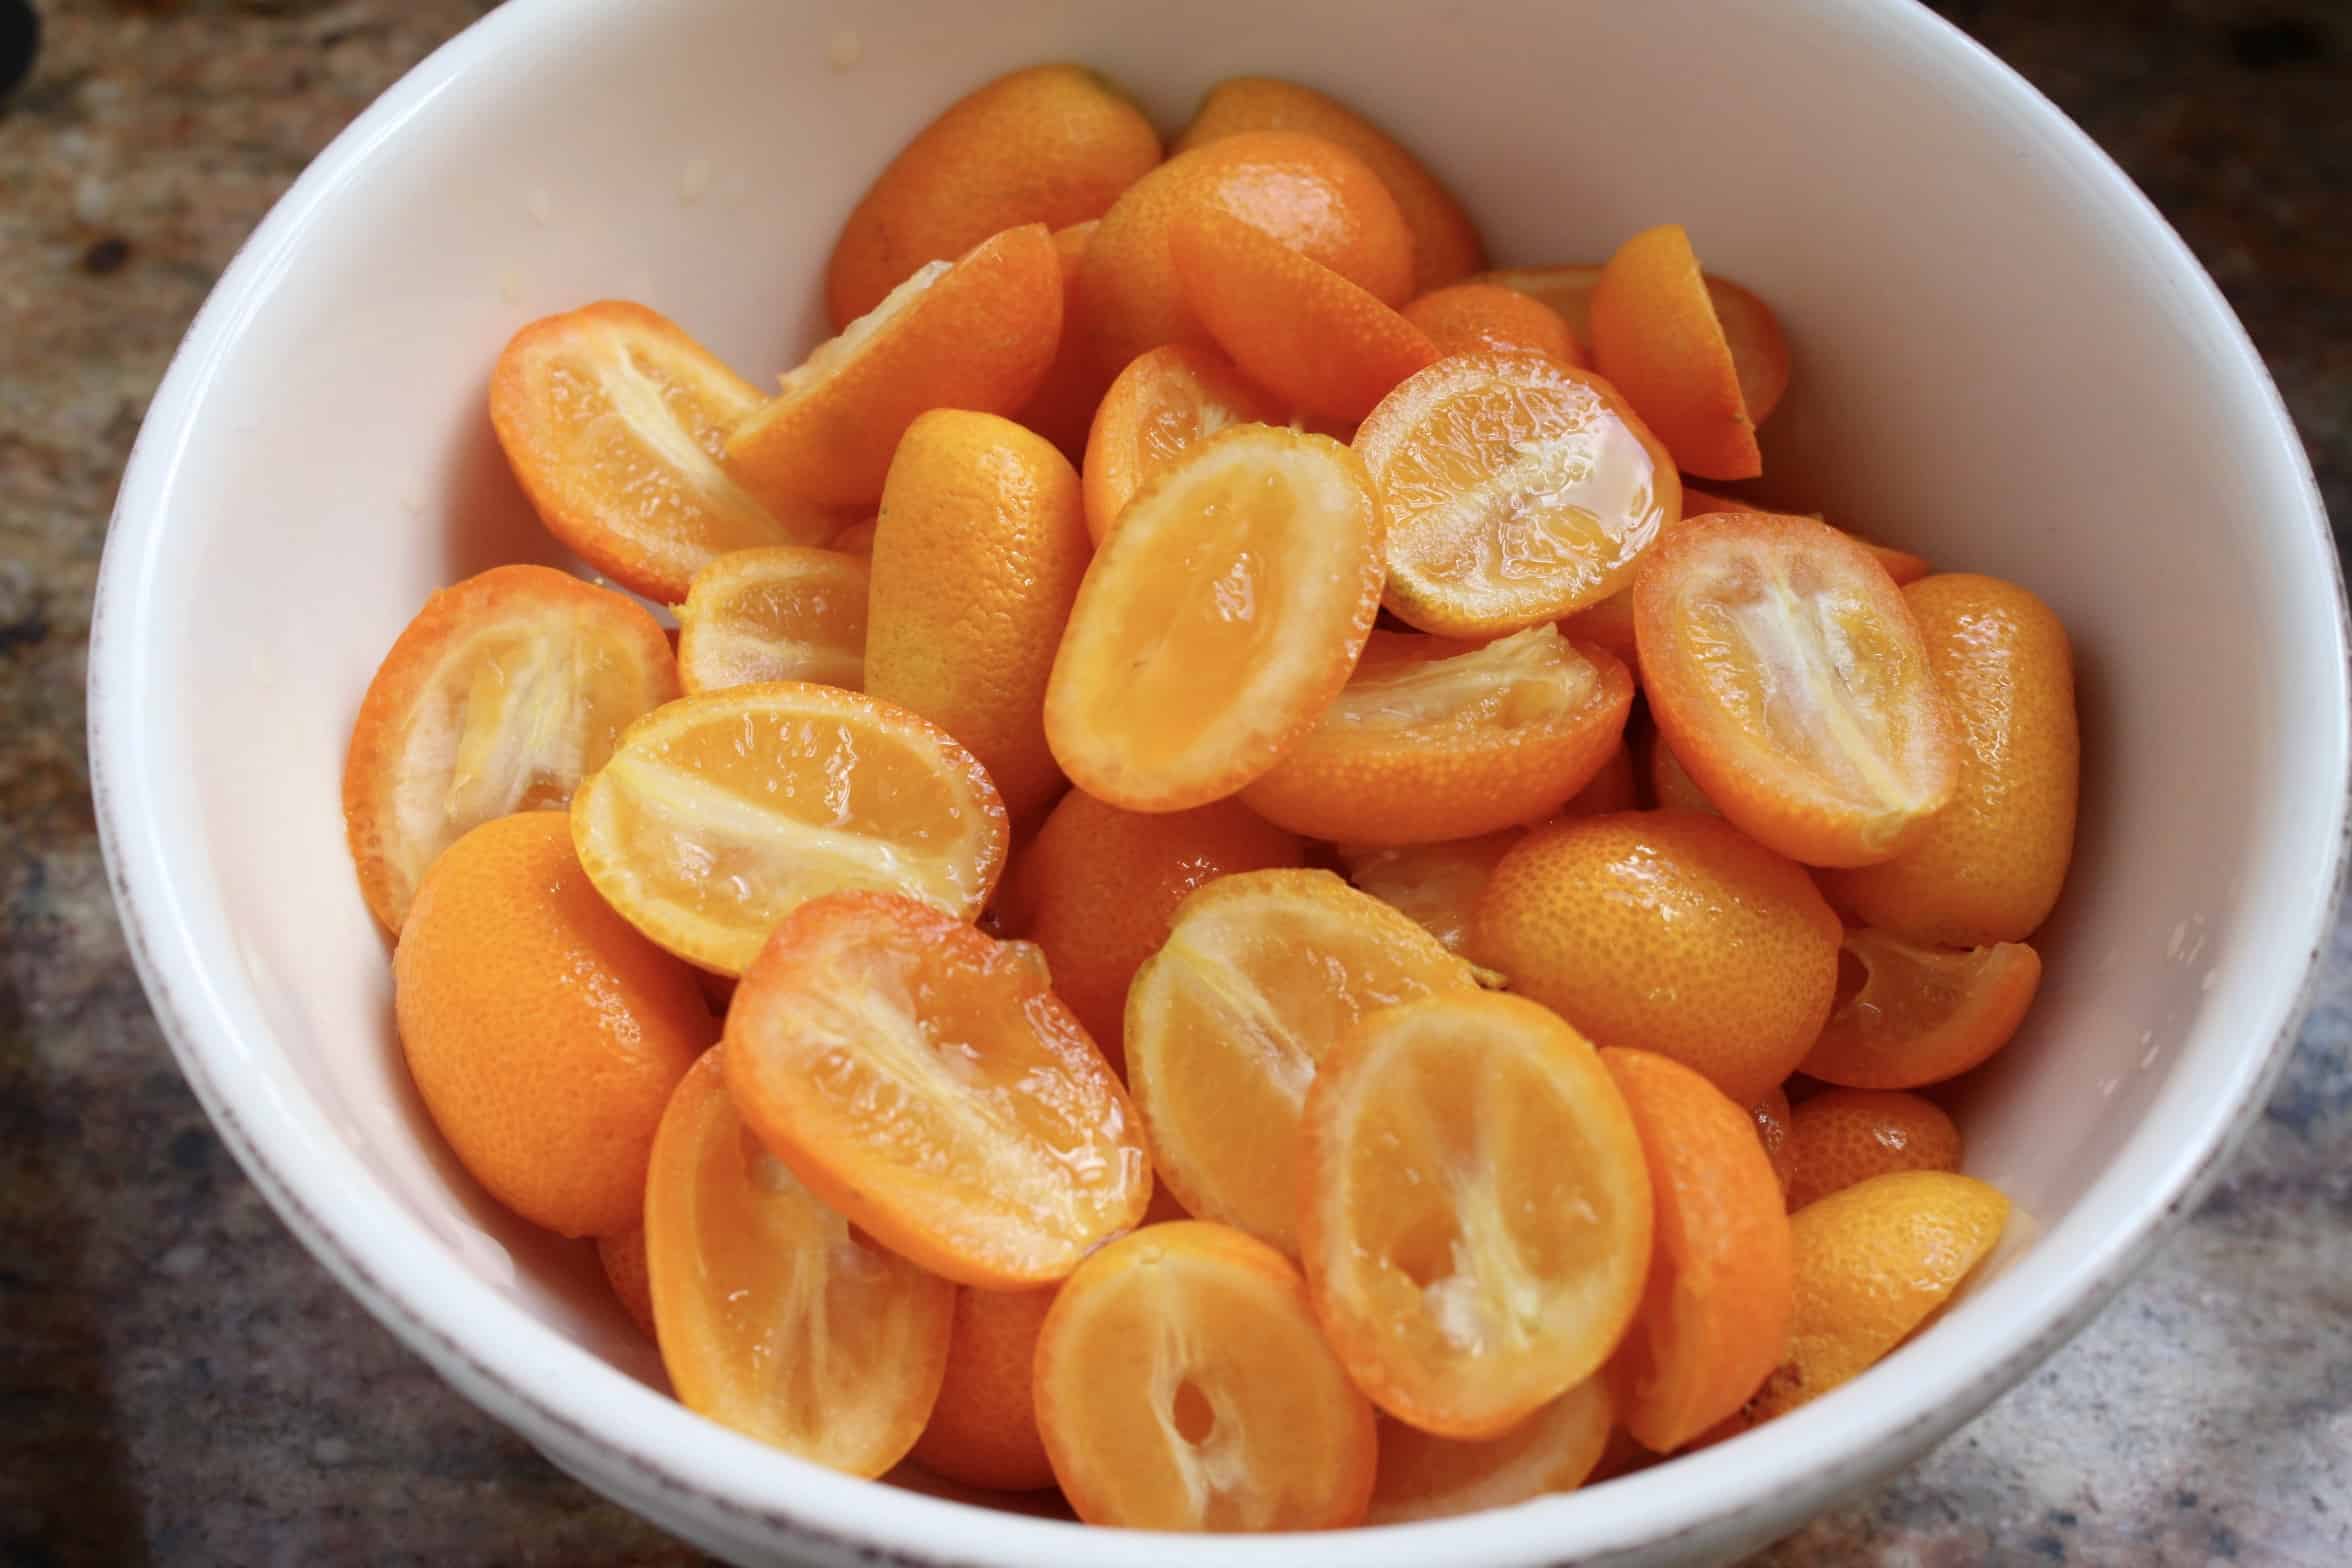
983, 1429
718, 815
1554, 1450
1260, 975
1667, 931
1165, 403
1294, 325
1715, 1315
1655, 335
1786, 671
1518, 490
1433, 739
784, 613
1218, 621
1487, 318
775, 1316
1843, 1136
975, 333
1908, 1016
1182, 1384
921, 1077
615, 421
504, 692
1475, 1214
1445, 242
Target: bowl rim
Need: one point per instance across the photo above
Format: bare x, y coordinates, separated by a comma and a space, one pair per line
668, 1461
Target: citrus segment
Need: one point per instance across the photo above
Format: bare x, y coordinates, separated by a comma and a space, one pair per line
1991, 865
1218, 621
1308, 193
504, 692
1445, 242
1432, 739
974, 333
1294, 325
983, 1429
1518, 490
1098, 886
1843, 1136
1715, 1314
1789, 676
614, 421
1182, 1384
1260, 975
1918, 1015
775, 1317
919, 1076
544, 1035
1053, 144
717, 815
1671, 932
977, 560
779, 614
1554, 1450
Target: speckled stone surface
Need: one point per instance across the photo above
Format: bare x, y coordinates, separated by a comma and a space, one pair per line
179, 1383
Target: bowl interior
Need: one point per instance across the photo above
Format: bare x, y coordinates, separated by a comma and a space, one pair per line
2002, 361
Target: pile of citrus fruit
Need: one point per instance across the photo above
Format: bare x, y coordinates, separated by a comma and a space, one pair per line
1232, 896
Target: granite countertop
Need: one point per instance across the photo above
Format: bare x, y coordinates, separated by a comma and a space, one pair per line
180, 1383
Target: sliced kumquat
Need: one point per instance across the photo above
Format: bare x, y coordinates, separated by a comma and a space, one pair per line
1445, 242
1667, 931
1843, 1136
1437, 885
615, 420
976, 333
1295, 326
1475, 1217
1908, 1016
1554, 1450
1518, 490
1715, 1315
718, 815
1053, 144
1874, 1261
503, 693
977, 559
1219, 620
780, 614
983, 1429
1311, 194
1182, 1384
1260, 975
1097, 888
543, 1034
775, 1316
919, 1076
1433, 740
1487, 318
1165, 403
1786, 671
1990, 867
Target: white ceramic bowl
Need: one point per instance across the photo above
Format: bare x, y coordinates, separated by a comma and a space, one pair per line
2005, 360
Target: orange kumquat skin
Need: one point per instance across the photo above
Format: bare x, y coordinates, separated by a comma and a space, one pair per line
1843, 1136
